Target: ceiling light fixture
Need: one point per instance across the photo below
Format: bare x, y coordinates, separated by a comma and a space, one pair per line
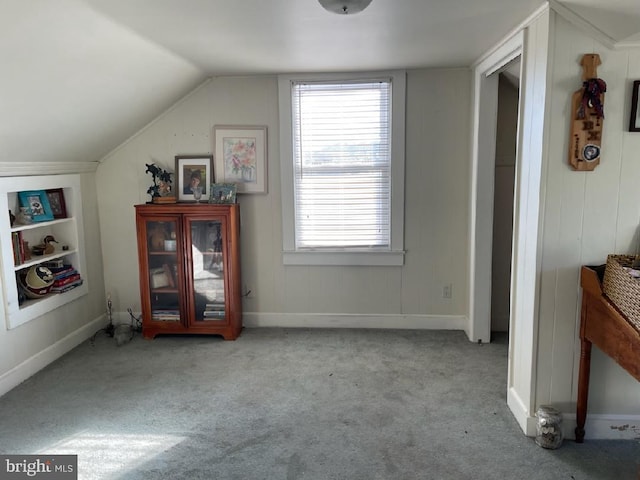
345, 7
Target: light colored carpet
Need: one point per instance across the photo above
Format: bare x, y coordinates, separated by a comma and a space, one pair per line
291, 404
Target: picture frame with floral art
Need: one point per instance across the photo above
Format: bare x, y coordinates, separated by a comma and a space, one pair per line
240, 154
192, 172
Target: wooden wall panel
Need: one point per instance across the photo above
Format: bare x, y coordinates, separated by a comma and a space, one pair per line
586, 216
530, 177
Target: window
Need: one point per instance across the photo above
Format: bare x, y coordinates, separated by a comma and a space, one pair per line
342, 140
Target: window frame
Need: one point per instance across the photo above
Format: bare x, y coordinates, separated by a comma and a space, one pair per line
394, 254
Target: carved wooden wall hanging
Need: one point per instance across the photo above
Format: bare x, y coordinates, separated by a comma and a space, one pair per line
587, 117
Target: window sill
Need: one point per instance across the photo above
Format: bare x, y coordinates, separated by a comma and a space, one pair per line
344, 258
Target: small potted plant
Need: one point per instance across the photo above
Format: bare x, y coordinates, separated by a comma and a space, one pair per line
160, 191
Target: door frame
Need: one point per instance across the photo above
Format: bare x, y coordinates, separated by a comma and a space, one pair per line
483, 155
530, 43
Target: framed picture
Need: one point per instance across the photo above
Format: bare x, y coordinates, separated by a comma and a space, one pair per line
38, 203
56, 201
223, 193
241, 157
193, 174
160, 278
634, 121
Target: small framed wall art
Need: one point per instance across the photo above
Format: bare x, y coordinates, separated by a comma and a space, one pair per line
634, 120
223, 193
241, 157
56, 200
193, 174
38, 204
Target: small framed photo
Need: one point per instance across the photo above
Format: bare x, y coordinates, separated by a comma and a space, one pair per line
241, 157
159, 278
193, 174
223, 193
634, 121
56, 201
38, 203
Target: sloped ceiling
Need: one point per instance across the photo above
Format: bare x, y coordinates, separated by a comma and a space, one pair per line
82, 76
619, 19
75, 83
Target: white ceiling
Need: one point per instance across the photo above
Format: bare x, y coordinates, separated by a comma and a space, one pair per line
81, 76
275, 36
619, 19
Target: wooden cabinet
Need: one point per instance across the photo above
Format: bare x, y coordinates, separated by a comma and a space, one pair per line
189, 260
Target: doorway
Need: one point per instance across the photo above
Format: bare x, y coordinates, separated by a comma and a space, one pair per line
486, 83
503, 197
528, 184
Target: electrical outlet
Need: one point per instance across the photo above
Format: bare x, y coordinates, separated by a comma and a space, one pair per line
447, 291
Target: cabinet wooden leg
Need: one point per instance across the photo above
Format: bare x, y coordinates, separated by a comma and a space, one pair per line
583, 389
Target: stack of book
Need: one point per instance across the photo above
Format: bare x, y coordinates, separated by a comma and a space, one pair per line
165, 315
214, 311
20, 249
65, 276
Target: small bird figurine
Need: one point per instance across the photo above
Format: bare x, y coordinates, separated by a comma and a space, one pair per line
45, 247
48, 248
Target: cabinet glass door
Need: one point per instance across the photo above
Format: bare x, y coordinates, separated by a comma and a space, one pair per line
163, 271
208, 270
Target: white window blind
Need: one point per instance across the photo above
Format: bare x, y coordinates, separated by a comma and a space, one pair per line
342, 164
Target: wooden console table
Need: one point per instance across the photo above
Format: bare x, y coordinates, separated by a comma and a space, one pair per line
602, 324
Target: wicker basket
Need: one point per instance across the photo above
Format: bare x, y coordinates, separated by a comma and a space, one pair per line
621, 288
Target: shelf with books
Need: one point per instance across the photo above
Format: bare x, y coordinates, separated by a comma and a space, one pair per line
36, 260
66, 276
25, 237
166, 315
214, 311
64, 225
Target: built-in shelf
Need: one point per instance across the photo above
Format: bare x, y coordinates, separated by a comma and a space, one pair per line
68, 232
35, 260
32, 226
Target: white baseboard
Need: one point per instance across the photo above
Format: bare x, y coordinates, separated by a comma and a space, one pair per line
603, 427
322, 320
37, 362
521, 413
597, 427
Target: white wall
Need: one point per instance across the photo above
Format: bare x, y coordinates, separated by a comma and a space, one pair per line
436, 212
586, 215
28, 348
